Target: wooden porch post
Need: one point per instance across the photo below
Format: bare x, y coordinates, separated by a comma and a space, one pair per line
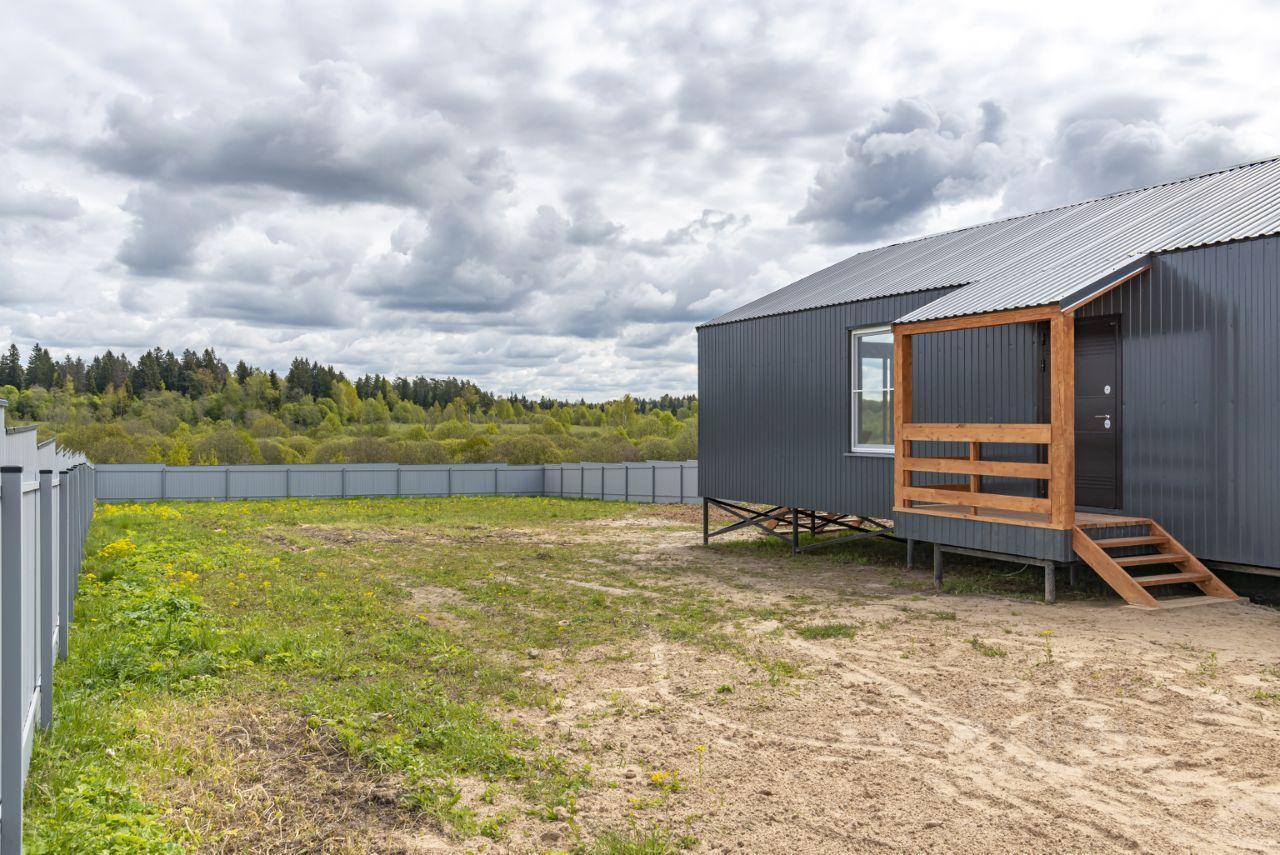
1062, 446
901, 414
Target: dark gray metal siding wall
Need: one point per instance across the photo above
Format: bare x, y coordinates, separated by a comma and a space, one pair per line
1201, 368
774, 401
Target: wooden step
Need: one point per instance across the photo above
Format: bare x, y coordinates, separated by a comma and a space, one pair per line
1170, 578
1134, 589
1154, 558
1184, 602
1117, 542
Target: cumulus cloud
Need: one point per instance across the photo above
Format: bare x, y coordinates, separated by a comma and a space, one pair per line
1119, 143
167, 230
907, 161
335, 137
41, 202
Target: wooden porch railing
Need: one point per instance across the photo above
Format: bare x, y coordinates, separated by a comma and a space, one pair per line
1056, 511
971, 495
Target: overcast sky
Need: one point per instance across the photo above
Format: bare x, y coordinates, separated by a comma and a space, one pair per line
548, 199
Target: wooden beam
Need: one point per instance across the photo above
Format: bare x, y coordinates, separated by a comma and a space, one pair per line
1086, 300
1062, 445
981, 500
962, 466
902, 362
958, 512
990, 319
1037, 434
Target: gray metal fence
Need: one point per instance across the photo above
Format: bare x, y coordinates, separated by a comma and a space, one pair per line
46, 502
654, 481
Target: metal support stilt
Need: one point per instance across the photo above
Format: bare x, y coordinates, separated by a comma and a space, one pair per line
1050, 582
1073, 576
795, 530
911, 553
937, 566
706, 528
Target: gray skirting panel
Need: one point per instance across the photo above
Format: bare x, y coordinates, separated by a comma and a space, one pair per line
1025, 541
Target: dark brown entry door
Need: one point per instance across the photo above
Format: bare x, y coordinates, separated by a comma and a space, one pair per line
1098, 412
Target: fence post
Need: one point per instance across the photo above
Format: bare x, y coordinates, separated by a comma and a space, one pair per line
11, 700
682, 483
398, 480
226, 483
653, 484
44, 620
288, 482
344, 482
449, 482
164, 482
626, 482
64, 561
495, 481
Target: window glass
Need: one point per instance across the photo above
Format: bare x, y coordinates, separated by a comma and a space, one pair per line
872, 357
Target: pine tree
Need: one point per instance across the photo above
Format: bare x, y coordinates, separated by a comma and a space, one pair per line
11, 368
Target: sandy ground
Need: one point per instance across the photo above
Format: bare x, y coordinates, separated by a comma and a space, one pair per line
944, 724
947, 724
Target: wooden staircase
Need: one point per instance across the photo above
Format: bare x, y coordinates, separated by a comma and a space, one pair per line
1165, 552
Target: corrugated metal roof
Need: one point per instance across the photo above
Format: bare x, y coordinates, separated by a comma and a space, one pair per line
1045, 257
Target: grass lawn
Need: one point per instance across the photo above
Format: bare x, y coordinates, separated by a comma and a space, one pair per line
303, 617
543, 675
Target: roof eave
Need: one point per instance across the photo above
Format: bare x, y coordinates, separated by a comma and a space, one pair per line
1102, 285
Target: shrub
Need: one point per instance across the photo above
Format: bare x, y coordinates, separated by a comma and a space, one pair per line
265, 424
686, 440
358, 449
549, 427
477, 449
330, 451
528, 449
658, 448
608, 448
227, 446
415, 433
421, 452
301, 444
409, 413
452, 430
276, 453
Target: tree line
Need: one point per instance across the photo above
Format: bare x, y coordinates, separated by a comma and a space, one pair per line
194, 408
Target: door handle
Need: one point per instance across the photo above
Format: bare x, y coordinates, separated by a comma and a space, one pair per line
1103, 416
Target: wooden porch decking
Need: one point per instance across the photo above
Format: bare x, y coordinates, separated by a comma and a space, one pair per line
1084, 519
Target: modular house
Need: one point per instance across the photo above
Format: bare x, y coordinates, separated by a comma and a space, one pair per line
1098, 382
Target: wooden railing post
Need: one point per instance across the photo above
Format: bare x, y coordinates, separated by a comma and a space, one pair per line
902, 415
1062, 445
975, 481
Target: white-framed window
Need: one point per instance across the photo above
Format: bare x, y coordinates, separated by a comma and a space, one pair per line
871, 375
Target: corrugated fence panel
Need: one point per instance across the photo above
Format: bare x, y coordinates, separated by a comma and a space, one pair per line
38, 581
257, 484
653, 481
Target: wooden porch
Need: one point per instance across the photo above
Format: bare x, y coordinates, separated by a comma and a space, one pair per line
1052, 507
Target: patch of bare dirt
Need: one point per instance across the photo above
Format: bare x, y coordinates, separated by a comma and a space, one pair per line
269, 783
947, 724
